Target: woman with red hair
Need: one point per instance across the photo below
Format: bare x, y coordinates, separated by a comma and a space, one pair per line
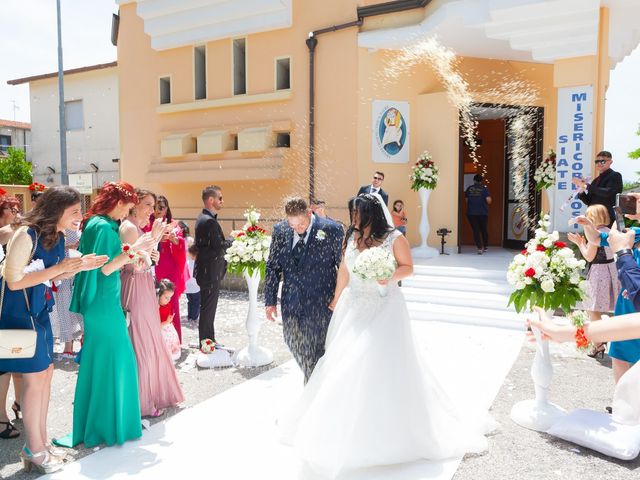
106, 407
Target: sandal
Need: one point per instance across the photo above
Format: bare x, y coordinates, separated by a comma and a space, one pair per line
9, 432
49, 463
16, 409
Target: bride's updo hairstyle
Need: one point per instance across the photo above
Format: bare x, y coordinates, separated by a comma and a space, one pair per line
365, 211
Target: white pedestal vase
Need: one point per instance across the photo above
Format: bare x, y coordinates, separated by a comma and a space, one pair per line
424, 250
551, 198
539, 414
253, 355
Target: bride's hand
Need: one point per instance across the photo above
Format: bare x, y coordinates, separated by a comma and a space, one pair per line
384, 282
332, 305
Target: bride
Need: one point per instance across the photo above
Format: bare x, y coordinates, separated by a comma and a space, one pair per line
370, 401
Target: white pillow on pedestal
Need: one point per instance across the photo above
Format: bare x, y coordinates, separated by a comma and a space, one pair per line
598, 431
218, 358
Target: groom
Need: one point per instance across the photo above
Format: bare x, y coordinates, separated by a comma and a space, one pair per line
305, 254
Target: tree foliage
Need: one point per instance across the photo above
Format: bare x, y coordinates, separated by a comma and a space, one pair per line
636, 153
14, 168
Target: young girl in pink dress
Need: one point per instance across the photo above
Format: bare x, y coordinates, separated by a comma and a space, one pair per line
166, 291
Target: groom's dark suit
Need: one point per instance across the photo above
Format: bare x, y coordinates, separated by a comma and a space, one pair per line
308, 286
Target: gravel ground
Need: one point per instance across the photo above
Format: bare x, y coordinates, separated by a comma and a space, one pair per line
518, 453
514, 452
198, 384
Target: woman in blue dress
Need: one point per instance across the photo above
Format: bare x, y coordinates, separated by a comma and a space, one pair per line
35, 258
626, 352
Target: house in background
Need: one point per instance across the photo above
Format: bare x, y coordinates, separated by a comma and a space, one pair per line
92, 122
221, 93
16, 135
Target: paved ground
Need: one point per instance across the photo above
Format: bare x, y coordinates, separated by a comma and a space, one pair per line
518, 453
197, 384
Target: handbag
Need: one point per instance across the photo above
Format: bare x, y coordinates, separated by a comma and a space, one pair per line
14, 342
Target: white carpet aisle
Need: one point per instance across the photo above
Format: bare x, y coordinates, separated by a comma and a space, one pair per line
233, 435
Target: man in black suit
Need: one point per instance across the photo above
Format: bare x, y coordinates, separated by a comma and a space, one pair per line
605, 187
210, 265
376, 187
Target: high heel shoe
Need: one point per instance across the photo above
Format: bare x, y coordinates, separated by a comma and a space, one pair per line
61, 453
49, 464
597, 349
9, 431
16, 410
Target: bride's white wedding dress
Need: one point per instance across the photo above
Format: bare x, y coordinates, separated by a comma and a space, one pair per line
370, 400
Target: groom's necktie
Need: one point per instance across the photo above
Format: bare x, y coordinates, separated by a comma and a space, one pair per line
297, 250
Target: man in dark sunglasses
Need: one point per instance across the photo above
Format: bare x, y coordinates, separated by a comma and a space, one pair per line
376, 187
604, 188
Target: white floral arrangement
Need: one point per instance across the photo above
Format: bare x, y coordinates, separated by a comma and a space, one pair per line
375, 264
424, 173
546, 273
545, 174
321, 235
250, 248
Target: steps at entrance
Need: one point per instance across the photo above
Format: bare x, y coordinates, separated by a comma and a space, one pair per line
464, 295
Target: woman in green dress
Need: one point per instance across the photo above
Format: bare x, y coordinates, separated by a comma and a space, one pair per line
106, 406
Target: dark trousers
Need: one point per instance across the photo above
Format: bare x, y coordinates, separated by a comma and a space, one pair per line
305, 339
193, 305
479, 227
208, 305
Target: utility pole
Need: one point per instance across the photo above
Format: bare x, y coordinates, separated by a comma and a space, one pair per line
64, 177
15, 108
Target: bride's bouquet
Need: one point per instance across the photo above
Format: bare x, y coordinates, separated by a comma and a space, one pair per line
546, 274
250, 248
375, 264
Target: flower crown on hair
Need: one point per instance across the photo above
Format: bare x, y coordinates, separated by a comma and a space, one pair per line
122, 190
36, 187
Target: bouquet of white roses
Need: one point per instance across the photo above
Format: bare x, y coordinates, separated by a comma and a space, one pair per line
375, 264
250, 248
546, 274
424, 173
545, 175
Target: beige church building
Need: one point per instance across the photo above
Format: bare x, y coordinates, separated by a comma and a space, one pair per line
269, 98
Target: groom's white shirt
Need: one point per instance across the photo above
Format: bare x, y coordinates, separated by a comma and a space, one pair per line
296, 237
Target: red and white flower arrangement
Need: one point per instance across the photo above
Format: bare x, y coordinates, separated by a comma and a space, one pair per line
250, 248
424, 173
207, 346
545, 174
546, 273
139, 256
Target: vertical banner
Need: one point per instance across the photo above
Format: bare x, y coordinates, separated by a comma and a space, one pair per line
575, 136
389, 131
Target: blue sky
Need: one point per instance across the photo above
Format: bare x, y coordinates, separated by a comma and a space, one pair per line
30, 48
